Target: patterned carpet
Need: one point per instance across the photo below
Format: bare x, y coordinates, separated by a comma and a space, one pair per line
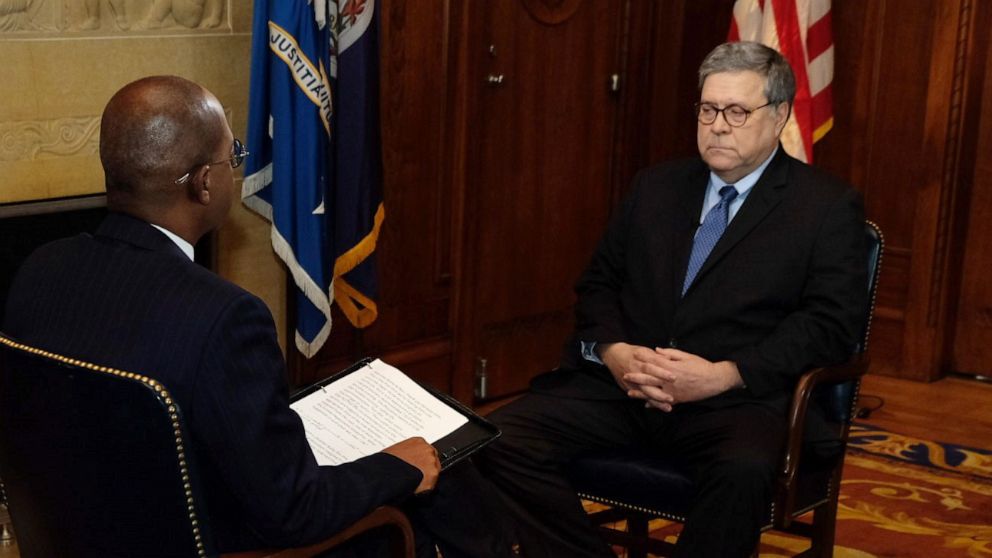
907, 497
902, 497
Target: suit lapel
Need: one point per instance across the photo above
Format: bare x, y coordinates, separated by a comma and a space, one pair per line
765, 195
686, 220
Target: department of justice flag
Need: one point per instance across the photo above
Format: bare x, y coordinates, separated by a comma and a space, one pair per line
315, 166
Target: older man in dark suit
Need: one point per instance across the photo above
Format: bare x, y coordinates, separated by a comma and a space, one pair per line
131, 297
718, 282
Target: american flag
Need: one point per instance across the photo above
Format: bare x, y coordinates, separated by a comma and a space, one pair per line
800, 30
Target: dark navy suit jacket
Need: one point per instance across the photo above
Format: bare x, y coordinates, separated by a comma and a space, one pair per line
127, 297
783, 290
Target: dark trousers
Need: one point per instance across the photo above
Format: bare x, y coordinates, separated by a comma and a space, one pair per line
462, 516
731, 454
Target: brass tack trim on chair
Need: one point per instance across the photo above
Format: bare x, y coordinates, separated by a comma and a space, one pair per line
872, 297
657, 513
874, 289
626, 506
161, 393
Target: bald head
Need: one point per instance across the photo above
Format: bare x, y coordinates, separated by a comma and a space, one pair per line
153, 131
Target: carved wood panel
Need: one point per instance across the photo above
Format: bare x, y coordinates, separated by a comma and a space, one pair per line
879, 97
906, 92
907, 88
972, 345
538, 181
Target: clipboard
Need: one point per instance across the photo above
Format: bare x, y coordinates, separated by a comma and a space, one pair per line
452, 448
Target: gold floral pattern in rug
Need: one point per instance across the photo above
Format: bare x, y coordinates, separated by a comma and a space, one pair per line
907, 497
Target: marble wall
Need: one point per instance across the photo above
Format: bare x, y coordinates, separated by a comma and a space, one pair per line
61, 60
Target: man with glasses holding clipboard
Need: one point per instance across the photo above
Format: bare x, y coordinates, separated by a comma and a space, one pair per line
131, 297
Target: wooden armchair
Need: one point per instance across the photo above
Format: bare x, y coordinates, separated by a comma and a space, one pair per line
642, 487
384, 517
72, 432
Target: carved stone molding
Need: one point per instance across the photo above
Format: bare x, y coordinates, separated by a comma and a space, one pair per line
46, 139
61, 137
551, 12
53, 17
28, 15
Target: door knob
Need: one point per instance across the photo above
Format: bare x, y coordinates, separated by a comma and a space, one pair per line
494, 80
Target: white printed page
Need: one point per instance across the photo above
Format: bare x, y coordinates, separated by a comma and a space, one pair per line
371, 409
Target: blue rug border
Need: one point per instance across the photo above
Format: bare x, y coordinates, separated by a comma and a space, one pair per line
919, 452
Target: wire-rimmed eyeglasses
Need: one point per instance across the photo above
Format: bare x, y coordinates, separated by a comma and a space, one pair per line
238, 154
734, 115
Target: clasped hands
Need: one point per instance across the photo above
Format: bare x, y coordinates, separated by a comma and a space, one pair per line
666, 377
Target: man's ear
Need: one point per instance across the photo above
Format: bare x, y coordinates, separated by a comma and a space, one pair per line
782, 111
198, 185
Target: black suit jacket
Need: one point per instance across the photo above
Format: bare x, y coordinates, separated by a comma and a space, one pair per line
782, 291
127, 297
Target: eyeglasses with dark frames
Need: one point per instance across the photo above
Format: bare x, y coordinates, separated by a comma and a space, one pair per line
733, 115
238, 154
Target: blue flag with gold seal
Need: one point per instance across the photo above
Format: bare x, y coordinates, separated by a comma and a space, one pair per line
315, 166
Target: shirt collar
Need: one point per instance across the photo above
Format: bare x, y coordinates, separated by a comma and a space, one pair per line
186, 247
744, 185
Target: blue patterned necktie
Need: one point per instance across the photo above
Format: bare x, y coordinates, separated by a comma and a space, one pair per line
709, 232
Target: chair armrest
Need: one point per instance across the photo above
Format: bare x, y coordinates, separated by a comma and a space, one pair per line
850, 370
385, 516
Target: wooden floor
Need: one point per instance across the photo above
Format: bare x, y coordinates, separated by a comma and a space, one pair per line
953, 410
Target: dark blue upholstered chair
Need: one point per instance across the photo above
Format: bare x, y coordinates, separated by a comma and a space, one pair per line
70, 430
641, 487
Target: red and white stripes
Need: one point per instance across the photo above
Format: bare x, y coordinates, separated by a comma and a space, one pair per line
800, 30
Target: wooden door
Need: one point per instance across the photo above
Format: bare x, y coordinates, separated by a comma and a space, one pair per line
542, 110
